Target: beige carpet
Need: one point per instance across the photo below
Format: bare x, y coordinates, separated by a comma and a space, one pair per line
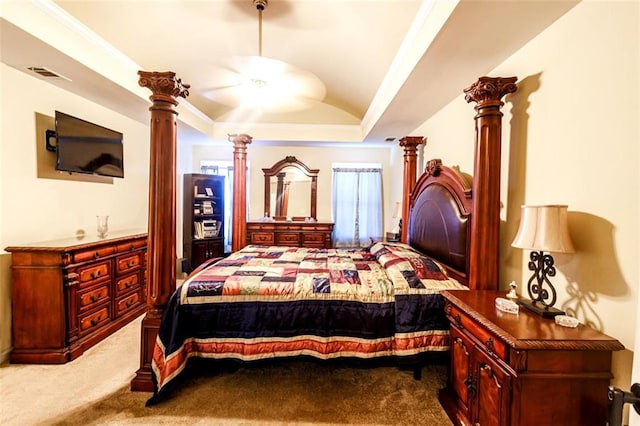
94, 390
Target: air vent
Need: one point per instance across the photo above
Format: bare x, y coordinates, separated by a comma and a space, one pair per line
47, 73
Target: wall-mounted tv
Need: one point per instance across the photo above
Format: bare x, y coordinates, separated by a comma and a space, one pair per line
84, 147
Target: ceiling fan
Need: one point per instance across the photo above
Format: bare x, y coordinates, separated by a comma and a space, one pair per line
259, 82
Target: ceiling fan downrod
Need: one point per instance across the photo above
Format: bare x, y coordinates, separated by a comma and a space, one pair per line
260, 5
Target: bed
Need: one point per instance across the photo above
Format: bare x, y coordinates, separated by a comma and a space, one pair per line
277, 302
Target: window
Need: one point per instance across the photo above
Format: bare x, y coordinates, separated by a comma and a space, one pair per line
357, 204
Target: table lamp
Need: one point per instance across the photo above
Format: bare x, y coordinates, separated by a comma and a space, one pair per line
543, 229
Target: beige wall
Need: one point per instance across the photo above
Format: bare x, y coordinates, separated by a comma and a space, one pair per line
571, 136
37, 209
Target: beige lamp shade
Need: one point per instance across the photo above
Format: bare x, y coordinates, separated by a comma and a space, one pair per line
544, 228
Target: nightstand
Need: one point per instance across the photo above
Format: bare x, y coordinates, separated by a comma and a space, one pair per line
522, 369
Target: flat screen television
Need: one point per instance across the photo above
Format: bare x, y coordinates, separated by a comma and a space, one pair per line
84, 147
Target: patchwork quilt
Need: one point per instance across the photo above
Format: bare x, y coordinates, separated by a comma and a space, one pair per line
267, 302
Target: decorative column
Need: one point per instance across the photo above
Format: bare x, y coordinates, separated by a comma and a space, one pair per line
239, 209
485, 220
161, 245
410, 145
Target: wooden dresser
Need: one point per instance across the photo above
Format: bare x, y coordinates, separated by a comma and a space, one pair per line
68, 295
294, 234
522, 369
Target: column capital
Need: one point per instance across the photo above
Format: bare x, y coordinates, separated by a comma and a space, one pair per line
489, 90
239, 140
164, 85
411, 142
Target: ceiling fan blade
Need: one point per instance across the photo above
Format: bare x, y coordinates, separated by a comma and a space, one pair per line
225, 86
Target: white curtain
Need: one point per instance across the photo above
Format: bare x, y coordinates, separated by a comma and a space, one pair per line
357, 206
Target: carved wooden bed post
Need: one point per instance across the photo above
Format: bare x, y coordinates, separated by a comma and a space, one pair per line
161, 247
239, 208
485, 220
410, 145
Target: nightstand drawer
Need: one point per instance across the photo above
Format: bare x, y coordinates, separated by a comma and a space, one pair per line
484, 337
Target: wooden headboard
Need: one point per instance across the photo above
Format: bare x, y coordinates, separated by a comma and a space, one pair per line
478, 253
439, 219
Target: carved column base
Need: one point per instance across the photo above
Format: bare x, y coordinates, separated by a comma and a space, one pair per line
142, 381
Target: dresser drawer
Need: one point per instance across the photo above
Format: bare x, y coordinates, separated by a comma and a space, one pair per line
314, 238
96, 271
128, 262
131, 245
126, 284
287, 238
262, 238
93, 254
89, 322
483, 336
127, 303
93, 296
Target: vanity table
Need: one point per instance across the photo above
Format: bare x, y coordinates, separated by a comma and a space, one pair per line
290, 199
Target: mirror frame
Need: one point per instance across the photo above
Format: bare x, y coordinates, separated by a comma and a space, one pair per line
290, 161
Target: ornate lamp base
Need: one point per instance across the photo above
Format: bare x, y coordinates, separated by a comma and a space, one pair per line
540, 309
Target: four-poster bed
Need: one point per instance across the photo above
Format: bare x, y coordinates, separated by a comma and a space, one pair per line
451, 241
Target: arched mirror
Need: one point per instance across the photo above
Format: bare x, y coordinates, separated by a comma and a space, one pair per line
290, 190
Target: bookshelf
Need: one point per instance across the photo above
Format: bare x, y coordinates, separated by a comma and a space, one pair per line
203, 219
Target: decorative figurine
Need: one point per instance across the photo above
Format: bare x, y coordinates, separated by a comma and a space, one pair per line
512, 295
